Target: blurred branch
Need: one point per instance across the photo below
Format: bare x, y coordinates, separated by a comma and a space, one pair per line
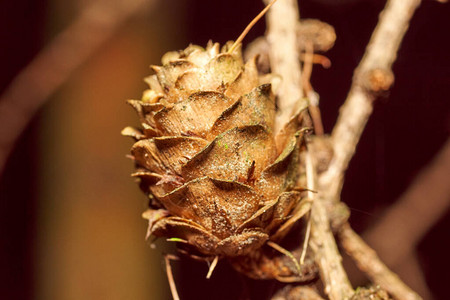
368, 261
412, 273
371, 76
56, 62
415, 212
412, 216
408, 220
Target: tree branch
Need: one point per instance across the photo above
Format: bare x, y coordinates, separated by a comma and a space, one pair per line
326, 253
372, 75
282, 21
368, 261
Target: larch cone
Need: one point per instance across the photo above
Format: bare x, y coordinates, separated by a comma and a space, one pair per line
220, 182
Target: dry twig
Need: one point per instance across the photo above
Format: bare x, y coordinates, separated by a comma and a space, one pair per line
368, 261
282, 21
372, 75
326, 253
56, 62
312, 96
173, 287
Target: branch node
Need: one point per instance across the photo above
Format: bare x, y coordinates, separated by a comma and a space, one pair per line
377, 80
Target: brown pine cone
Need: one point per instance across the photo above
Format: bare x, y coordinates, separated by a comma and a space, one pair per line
220, 182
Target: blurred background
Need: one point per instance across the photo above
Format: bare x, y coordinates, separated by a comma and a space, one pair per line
70, 213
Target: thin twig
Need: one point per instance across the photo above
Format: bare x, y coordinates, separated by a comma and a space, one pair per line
56, 62
282, 21
307, 67
312, 96
287, 253
173, 288
368, 261
250, 25
372, 75
306, 241
326, 253
212, 267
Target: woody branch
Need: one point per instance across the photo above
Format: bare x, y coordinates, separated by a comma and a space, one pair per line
373, 75
282, 21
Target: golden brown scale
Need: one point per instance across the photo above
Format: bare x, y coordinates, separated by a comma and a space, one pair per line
220, 182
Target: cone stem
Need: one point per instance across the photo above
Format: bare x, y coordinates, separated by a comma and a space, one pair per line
250, 25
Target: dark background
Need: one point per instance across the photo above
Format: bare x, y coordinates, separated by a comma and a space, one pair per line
407, 128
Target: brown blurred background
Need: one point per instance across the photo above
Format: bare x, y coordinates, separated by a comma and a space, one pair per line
69, 212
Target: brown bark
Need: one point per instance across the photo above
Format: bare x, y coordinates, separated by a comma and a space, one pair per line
369, 262
372, 76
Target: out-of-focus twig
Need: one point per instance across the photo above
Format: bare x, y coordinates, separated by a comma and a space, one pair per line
282, 21
368, 261
415, 212
56, 62
372, 75
411, 271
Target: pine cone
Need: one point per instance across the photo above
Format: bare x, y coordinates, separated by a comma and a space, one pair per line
219, 182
